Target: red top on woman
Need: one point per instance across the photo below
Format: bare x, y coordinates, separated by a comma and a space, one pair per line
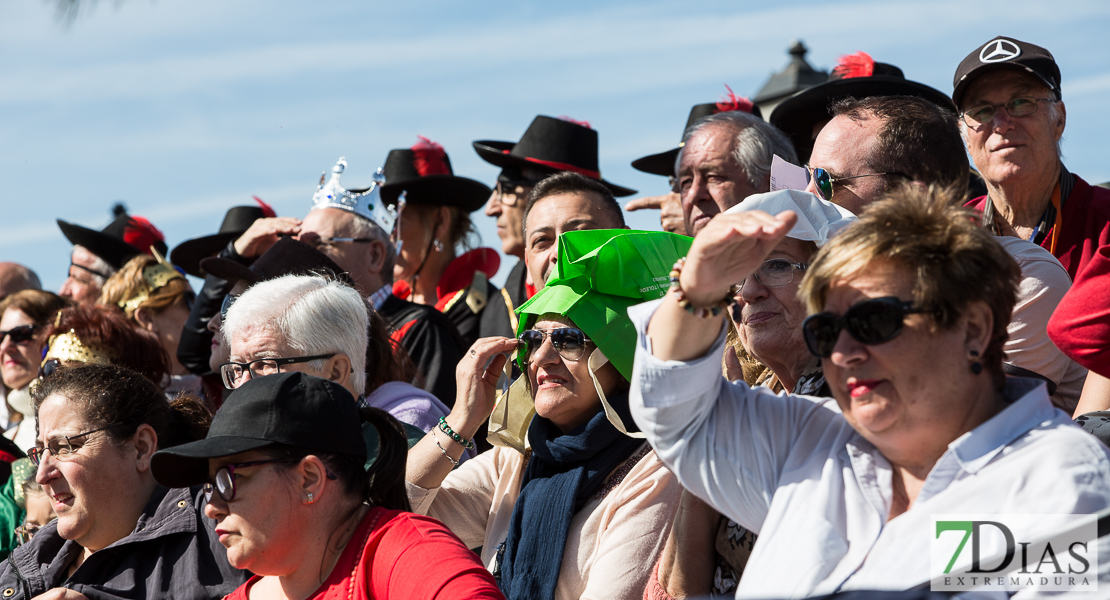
401, 555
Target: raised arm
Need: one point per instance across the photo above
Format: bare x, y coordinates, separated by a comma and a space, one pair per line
477, 375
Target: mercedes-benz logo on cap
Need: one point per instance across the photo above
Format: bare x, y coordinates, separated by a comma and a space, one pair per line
999, 50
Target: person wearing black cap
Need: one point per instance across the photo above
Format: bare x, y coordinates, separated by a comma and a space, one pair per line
434, 223
286, 480
195, 346
549, 145
97, 255
1012, 116
662, 163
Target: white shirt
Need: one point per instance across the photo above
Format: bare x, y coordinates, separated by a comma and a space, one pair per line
791, 469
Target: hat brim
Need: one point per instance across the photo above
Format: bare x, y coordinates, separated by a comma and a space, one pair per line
497, 153
112, 250
439, 190
658, 164
187, 465
965, 83
797, 115
189, 253
228, 270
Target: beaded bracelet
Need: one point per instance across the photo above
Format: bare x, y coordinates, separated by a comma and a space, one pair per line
445, 454
445, 428
680, 294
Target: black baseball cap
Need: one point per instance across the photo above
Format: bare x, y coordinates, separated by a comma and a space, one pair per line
1003, 53
294, 409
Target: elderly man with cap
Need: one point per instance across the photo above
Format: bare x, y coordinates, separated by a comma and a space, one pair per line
663, 163
352, 227
723, 159
97, 255
918, 140
1012, 116
195, 346
548, 146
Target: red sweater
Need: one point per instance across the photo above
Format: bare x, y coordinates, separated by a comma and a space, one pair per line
1080, 325
1086, 226
403, 556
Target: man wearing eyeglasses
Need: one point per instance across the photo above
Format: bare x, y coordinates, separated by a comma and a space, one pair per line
875, 143
1012, 116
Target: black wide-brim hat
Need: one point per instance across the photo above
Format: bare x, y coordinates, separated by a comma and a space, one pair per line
424, 174
189, 253
109, 243
797, 115
551, 145
286, 257
663, 162
294, 409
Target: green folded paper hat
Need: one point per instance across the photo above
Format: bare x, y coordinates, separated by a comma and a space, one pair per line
598, 275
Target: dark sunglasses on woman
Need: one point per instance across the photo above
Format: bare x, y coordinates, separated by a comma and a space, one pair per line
19, 335
569, 342
870, 322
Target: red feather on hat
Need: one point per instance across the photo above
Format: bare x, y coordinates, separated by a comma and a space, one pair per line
267, 210
429, 158
142, 234
859, 64
733, 102
585, 124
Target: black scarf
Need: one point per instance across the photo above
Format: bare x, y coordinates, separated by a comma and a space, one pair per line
564, 472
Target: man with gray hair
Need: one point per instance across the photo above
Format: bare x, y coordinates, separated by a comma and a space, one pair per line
725, 158
319, 326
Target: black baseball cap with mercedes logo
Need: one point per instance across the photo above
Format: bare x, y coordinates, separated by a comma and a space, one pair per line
1003, 53
294, 409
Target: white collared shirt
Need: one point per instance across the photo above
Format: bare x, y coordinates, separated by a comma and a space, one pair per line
791, 469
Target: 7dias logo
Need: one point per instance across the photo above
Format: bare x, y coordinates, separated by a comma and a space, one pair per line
1014, 552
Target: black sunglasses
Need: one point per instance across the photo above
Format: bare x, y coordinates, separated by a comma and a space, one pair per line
19, 335
569, 342
226, 305
870, 322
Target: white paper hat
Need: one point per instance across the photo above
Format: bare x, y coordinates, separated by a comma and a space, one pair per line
818, 220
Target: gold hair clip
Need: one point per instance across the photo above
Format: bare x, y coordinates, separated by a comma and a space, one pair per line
155, 276
67, 347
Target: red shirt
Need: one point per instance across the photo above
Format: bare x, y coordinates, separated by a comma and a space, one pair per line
404, 556
1085, 225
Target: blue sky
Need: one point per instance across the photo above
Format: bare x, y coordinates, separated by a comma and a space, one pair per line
183, 108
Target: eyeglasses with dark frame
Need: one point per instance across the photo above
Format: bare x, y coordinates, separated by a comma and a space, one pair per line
72, 264
226, 306
569, 342
25, 532
62, 448
232, 372
870, 322
776, 272
1015, 107
224, 481
824, 181
506, 189
21, 334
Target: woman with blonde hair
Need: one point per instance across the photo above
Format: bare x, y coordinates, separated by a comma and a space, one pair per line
157, 298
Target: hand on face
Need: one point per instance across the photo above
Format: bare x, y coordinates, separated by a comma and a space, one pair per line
19, 361
477, 375
263, 233
730, 249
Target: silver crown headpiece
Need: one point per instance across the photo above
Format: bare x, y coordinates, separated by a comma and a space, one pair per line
366, 203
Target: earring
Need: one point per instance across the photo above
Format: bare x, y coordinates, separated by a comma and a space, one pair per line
976, 366
438, 245
310, 500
